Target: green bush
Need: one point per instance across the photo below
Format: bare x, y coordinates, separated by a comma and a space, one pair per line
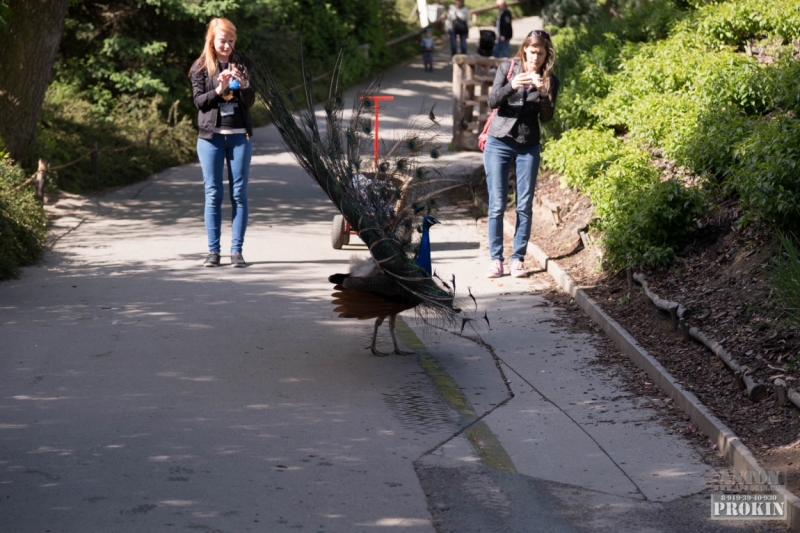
766, 170
642, 218
70, 125
22, 222
785, 270
733, 23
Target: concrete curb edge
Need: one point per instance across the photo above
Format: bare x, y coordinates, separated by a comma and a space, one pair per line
728, 444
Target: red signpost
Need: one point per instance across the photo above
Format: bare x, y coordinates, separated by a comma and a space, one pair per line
377, 99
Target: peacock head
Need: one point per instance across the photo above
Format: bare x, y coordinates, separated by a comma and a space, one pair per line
429, 221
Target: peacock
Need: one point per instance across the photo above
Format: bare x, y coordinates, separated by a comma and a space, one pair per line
388, 201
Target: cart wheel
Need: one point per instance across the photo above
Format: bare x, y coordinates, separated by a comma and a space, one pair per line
337, 233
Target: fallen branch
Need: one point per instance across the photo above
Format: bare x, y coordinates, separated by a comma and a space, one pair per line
786, 394
755, 391
676, 310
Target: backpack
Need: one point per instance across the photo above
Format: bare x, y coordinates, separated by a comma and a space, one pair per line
484, 136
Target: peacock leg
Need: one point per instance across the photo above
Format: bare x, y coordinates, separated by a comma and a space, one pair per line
397, 350
373, 349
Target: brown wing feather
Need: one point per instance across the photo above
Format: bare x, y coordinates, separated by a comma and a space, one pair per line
363, 305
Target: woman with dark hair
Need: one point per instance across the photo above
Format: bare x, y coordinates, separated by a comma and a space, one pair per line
223, 97
528, 98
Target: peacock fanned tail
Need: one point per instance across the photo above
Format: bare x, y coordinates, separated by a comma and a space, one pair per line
384, 205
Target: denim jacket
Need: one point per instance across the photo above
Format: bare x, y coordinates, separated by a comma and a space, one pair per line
519, 111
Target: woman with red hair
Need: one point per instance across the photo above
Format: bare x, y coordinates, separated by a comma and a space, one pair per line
223, 97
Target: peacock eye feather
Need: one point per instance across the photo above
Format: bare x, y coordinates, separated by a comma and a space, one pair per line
419, 173
290, 96
308, 79
328, 111
338, 100
401, 164
368, 102
435, 153
412, 145
383, 167
366, 128
350, 136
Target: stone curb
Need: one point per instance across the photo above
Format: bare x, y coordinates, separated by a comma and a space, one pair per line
729, 445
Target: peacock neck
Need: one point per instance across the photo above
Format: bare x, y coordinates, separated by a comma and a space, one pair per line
424, 254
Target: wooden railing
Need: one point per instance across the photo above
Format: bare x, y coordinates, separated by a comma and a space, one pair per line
472, 81
476, 11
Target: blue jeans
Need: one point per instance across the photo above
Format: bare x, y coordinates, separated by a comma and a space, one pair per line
502, 48
497, 159
236, 150
453, 42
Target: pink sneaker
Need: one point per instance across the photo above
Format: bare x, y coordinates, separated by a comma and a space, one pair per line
495, 269
518, 269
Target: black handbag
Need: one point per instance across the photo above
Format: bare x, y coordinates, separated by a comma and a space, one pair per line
460, 26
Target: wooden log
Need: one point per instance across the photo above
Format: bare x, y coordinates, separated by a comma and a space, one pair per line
780, 392
755, 390
585, 239
684, 328
95, 161
660, 303
629, 273
793, 396
555, 209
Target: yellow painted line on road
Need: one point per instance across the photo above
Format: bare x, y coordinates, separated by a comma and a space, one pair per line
479, 435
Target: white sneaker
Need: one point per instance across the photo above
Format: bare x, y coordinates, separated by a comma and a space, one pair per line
495, 269
518, 269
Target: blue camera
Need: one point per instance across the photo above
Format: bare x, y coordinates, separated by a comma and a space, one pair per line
234, 84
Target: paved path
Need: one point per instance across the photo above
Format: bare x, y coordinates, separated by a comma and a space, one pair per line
140, 392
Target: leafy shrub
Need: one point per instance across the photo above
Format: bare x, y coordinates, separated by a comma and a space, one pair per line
22, 222
733, 23
765, 174
785, 270
70, 125
580, 155
642, 218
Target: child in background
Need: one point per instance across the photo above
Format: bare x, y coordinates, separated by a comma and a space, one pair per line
427, 50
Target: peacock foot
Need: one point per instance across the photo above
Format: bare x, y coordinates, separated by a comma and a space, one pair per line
401, 352
377, 353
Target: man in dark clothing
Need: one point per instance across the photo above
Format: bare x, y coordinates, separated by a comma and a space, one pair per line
504, 31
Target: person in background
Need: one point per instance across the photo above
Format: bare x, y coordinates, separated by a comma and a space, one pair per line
504, 31
223, 97
457, 25
524, 101
427, 50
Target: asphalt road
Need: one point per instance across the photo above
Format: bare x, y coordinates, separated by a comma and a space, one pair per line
142, 392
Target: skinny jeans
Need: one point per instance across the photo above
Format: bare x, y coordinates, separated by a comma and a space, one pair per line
453, 46
236, 149
502, 48
497, 158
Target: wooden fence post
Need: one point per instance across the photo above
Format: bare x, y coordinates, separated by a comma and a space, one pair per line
95, 161
41, 178
458, 75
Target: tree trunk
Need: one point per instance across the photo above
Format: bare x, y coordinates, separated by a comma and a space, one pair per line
26, 66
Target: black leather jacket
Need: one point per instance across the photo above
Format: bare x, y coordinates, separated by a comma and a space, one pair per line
519, 111
207, 101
